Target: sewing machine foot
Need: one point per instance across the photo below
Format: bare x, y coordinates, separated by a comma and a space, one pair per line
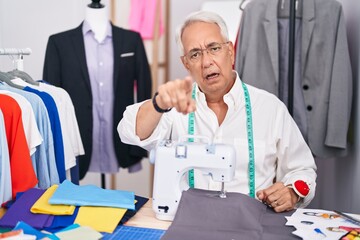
222, 192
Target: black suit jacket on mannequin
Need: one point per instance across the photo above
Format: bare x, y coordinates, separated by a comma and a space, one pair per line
65, 66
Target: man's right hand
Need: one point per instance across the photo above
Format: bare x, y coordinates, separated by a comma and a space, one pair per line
177, 94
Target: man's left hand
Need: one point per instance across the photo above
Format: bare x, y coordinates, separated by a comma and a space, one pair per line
279, 197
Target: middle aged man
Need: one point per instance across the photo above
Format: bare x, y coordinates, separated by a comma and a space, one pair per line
227, 111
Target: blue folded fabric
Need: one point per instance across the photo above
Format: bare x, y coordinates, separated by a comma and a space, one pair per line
61, 221
89, 195
70, 227
27, 229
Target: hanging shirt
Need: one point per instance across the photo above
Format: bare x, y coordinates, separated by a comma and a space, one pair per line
5, 176
100, 63
142, 17
299, 108
73, 146
22, 172
281, 153
32, 134
326, 74
55, 126
44, 155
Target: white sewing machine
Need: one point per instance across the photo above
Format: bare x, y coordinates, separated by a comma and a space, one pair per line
174, 159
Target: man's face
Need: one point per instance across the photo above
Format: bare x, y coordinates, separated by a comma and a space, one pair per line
211, 68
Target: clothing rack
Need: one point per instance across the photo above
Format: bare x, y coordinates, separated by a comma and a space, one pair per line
20, 52
15, 51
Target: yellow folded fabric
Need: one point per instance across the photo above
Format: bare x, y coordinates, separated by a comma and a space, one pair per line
42, 204
102, 219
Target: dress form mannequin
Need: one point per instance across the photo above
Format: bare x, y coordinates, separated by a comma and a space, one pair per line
97, 15
76, 78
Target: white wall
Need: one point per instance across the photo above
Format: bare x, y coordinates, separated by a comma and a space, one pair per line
28, 24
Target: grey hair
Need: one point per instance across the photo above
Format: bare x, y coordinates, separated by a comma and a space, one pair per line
200, 16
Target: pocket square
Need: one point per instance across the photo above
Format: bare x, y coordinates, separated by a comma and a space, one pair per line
129, 54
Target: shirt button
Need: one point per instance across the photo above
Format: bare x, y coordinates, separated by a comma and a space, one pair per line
101, 63
309, 108
306, 87
101, 84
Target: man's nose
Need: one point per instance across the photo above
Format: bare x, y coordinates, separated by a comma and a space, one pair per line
206, 57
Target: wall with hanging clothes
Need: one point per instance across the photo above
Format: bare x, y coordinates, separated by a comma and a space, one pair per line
43, 141
323, 82
323, 78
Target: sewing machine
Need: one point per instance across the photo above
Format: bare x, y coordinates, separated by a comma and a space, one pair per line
174, 159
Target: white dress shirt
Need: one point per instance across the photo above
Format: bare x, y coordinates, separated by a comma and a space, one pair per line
281, 154
73, 145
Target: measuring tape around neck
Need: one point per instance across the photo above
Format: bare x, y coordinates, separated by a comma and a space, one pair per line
191, 129
249, 130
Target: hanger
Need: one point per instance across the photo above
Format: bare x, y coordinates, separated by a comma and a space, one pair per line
284, 8
4, 77
96, 4
242, 7
23, 75
17, 73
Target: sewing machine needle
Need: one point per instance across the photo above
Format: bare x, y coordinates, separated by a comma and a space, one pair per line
222, 192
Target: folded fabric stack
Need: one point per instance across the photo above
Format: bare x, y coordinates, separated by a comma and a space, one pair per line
68, 209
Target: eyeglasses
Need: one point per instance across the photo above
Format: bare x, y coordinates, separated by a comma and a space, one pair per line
213, 49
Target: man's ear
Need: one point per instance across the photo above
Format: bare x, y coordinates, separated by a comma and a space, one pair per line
232, 52
185, 63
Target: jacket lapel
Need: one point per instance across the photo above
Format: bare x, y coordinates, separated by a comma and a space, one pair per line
117, 43
79, 46
308, 22
271, 32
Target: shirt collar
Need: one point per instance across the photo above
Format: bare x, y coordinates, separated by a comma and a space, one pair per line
86, 28
233, 98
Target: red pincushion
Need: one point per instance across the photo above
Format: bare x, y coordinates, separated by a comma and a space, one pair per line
301, 188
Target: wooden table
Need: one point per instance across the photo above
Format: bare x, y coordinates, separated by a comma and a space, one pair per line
145, 218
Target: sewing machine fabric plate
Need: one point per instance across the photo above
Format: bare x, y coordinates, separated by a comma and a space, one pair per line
134, 233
